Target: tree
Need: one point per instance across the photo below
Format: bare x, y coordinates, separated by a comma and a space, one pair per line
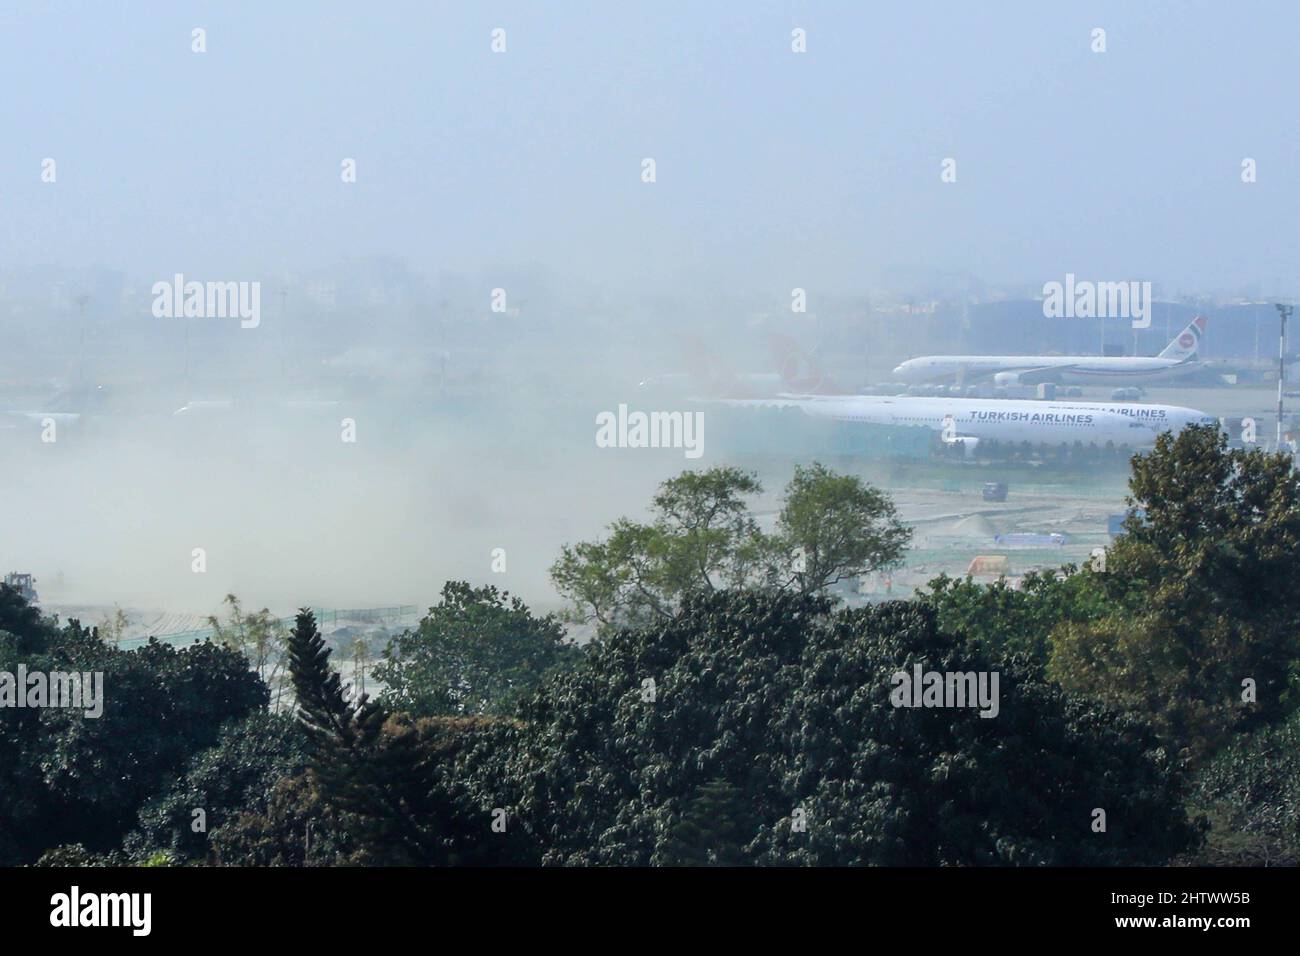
1206, 638
1251, 793
704, 539
475, 653
388, 777
112, 629
236, 775
713, 831
833, 527
1019, 620
339, 735
770, 716
297, 827
360, 648
258, 636
69, 778
21, 624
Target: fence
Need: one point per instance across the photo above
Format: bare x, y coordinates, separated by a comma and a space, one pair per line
392, 614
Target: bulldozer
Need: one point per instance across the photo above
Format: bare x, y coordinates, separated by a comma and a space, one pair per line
24, 584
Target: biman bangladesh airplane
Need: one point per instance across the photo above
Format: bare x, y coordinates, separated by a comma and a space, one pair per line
1178, 358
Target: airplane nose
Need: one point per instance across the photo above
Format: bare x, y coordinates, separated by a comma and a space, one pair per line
900, 369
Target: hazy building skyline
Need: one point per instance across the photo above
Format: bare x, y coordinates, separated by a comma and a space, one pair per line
773, 168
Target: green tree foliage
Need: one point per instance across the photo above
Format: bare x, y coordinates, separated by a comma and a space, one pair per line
340, 736
714, 830
22, 629
1251, 793
258, 636
66, 778
297, 827
112, 629
234, 776
1019, 620
703, 538
1207, 582
74, 854
772, 709
475, 653
832, 527
390, 778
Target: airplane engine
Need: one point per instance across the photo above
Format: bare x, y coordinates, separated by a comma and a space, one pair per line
1006, 378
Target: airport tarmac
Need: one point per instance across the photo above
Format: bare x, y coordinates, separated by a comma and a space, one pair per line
952, 528
1238, 402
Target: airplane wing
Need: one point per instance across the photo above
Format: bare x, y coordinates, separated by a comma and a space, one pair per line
1026, 375
1037, 376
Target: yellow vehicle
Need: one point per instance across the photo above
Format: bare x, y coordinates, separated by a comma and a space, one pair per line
990, 564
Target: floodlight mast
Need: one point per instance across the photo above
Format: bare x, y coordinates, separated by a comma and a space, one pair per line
1284, 313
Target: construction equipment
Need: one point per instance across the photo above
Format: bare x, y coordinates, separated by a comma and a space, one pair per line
24, 584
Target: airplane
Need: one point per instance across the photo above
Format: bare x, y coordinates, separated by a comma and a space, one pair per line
709, 375
1178, 358
66, 407
800, 373
967, 421
212, 408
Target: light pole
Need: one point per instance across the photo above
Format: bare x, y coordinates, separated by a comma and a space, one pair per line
81, 301
284, 311
1284, 313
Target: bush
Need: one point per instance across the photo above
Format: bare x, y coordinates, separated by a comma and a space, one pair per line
236, 775
777, 710
1251, 793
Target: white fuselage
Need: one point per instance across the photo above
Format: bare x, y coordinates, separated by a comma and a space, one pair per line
1066, 369
1004, 420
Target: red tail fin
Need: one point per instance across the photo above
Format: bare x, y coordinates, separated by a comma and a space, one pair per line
709, 374
799, 371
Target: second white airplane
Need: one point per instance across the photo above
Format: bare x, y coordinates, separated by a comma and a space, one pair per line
1178, 358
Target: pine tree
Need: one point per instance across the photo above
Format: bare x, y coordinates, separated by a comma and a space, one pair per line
713, 831
348, 757
330, 721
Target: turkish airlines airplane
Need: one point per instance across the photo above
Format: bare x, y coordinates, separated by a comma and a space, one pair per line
968, 421
1178, 358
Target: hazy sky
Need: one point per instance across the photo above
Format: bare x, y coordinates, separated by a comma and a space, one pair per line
773, 168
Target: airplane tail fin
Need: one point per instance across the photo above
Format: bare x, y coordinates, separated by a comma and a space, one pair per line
708, 374
1187, 343
799, 372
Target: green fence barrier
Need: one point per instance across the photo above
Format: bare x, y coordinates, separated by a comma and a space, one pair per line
323, 616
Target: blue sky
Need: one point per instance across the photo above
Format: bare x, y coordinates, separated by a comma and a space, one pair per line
819, 169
